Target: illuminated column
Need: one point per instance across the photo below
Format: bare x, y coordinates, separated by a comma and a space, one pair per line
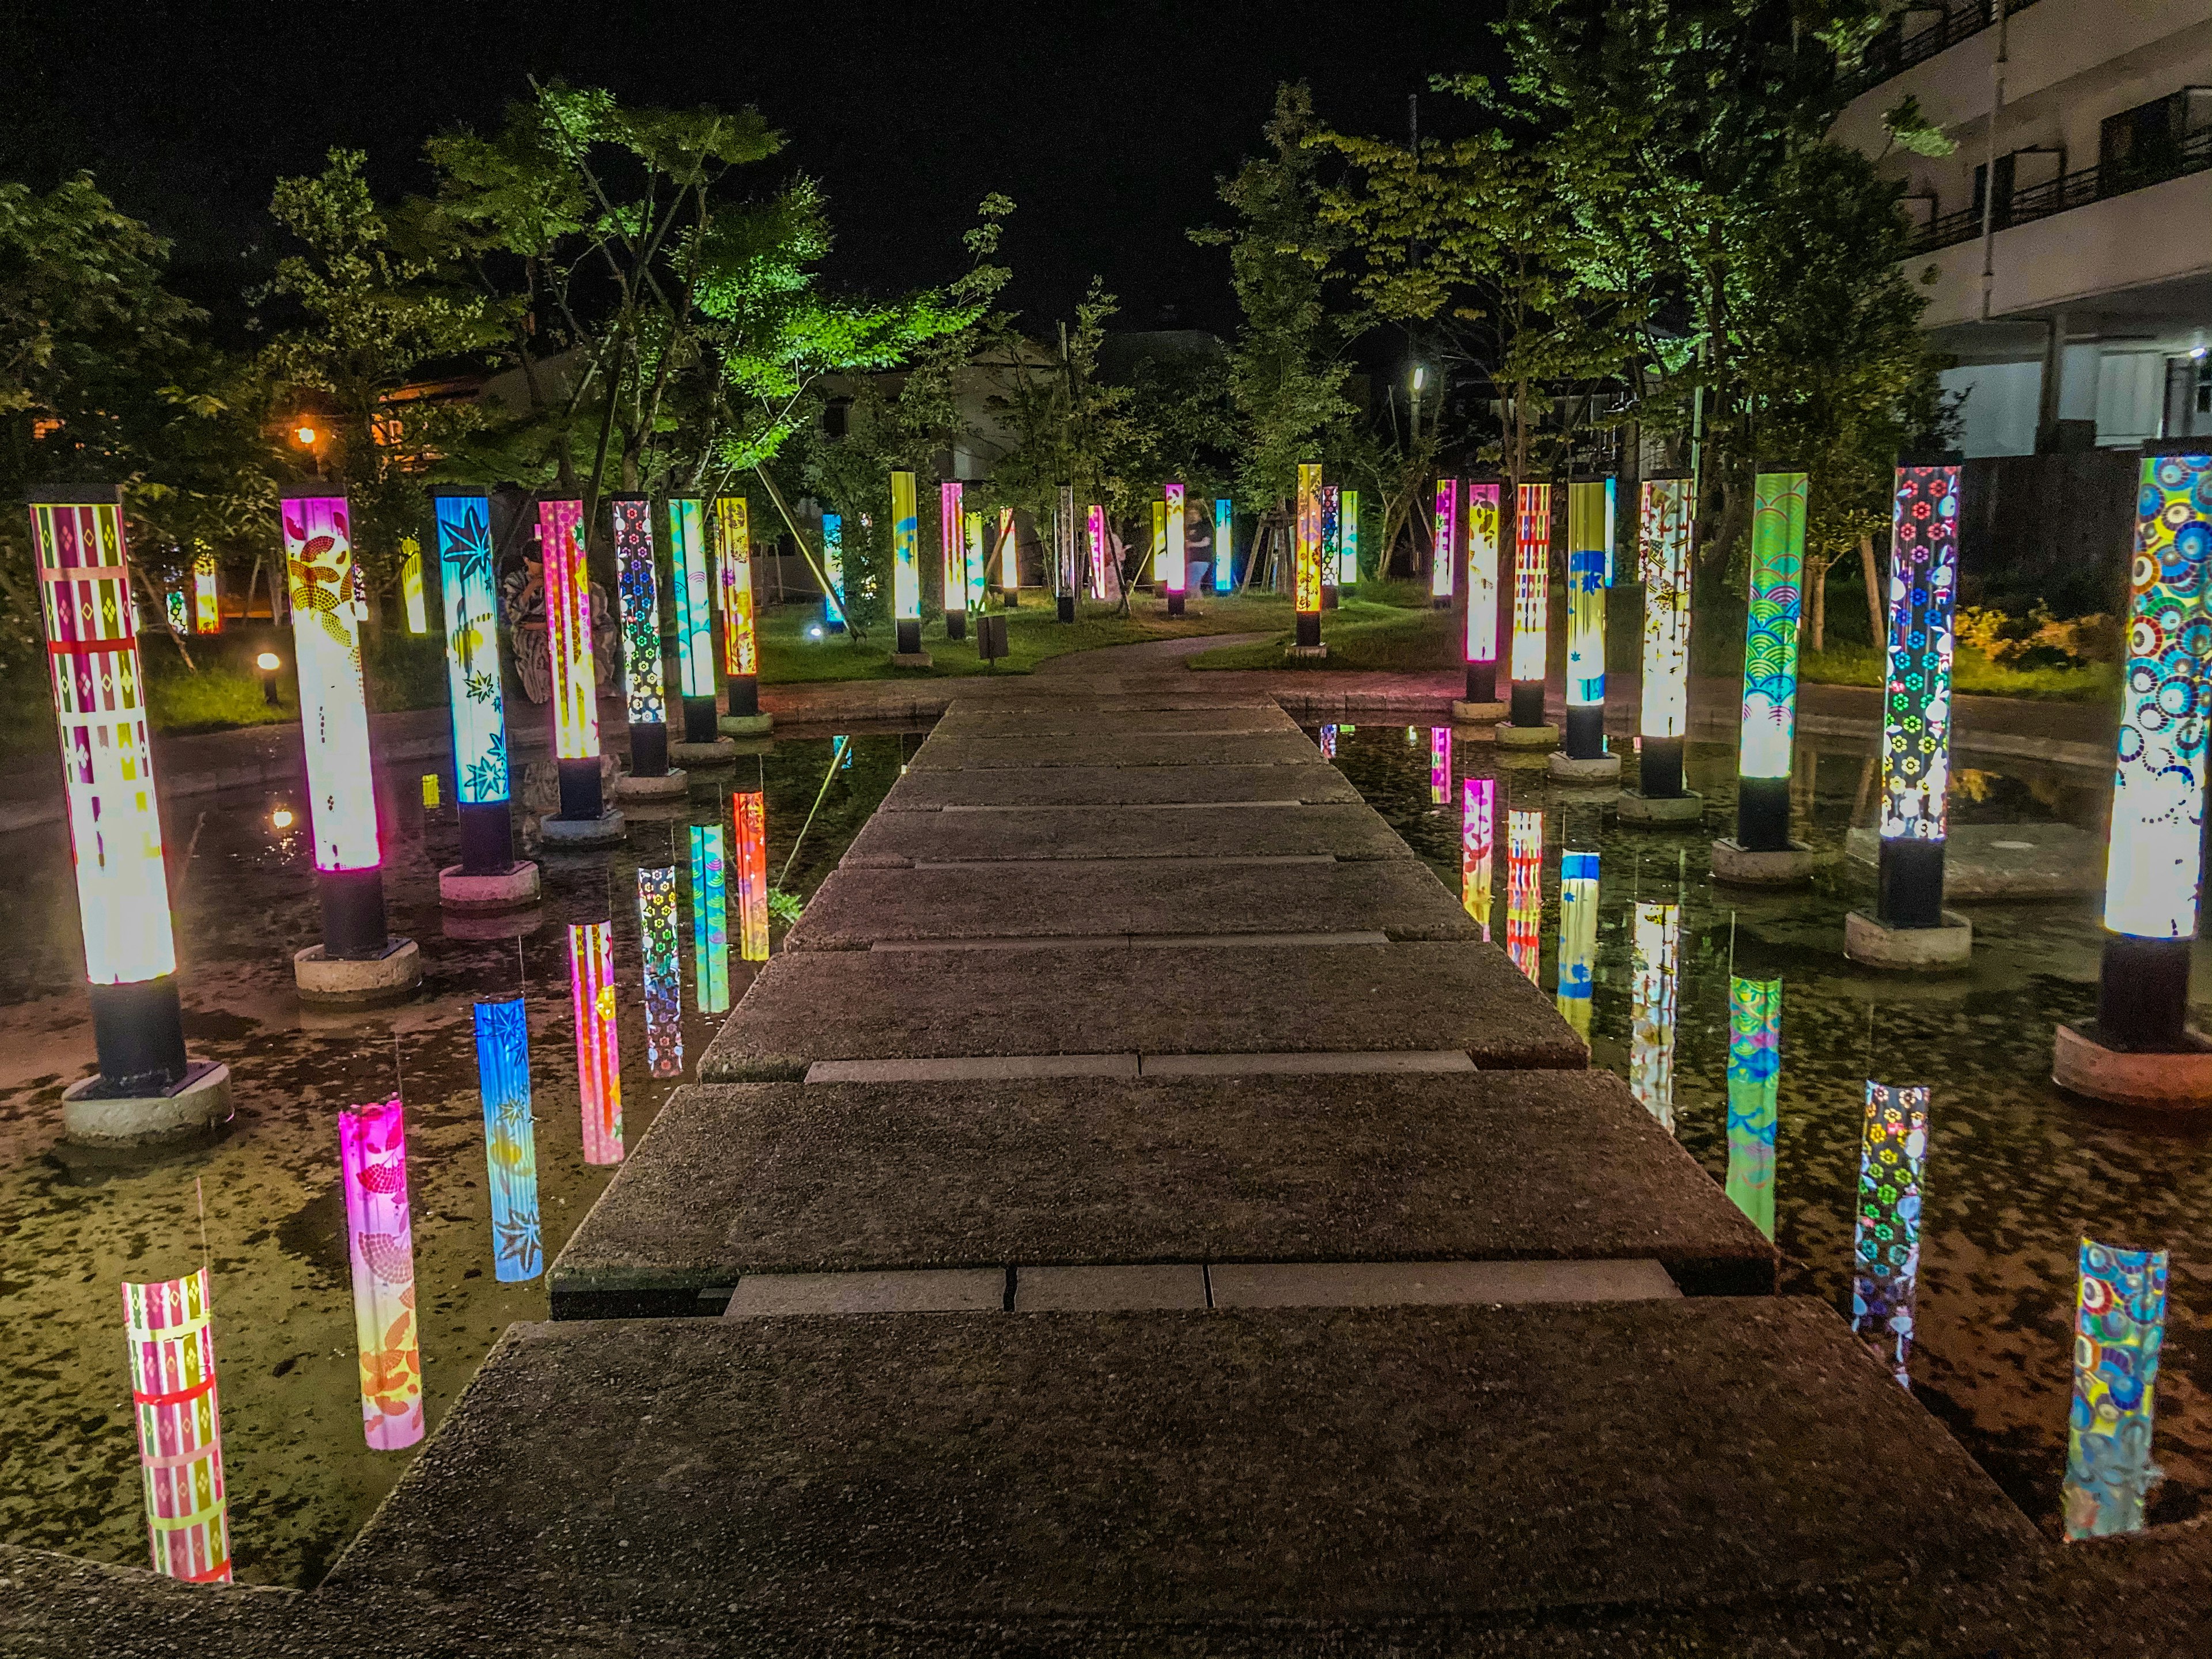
593, 1003
953, 528
2119, 1328
1348, 541
2142, 1048
710, 923
569, 648
1440, 758
740, 639
664, 978
1305, 570
1225, 545
510, 1139
1589, 518
325, 590
175, 612
1770, 662
1754, 1087
1444, 554
1578, 885
379, 1240
410, 585
833, 572
1175, 573
749, 818
1532, 587
1478, 839
1481, 647
1096, 525
1063, 548
1657, 941
1524, 889
1663, 562
114, 819
1010, 563
207, 599
1886, 1237
906, 574
638, 594
695, 614
168, 1332
1158, 554
972, 562
1332, 529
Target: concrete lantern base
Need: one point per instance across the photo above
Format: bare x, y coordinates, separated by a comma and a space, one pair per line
606, 830
1565, 769
902, 659
1464, 713
1305, 652
721, 752
358, 981
200, 1103
1662, 811
514, 889
749, 726
671, 785
1739, 866
1510, 735
2169, 1082
1869, 942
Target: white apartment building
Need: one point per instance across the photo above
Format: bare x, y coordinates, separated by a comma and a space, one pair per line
2077, 297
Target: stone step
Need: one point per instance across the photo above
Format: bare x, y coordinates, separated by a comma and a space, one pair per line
1072, 719
1117, 786
893, 840
948, 752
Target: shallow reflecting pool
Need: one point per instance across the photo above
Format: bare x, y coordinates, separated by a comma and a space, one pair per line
2011, 1174
73, 1223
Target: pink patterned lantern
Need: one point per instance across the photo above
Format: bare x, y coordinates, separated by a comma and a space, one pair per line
373, 1157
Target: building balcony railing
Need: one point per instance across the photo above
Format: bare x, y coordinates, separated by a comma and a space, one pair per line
2072, 189
1892, 51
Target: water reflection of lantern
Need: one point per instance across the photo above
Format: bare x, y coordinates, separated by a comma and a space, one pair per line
206, 601
1657, 943
710, 925
1770, 662
1481, 591
955, 536
325, 589
2119, 1327
1306, 557
1009, 565
740, 640
510, 1139
1347, 540
833, 574
462, 519
1096, 528
695, 612
1478, 836
1664, 560
1885, 1237
598, 1050
1524, 889
1532, 577
1332, 528
568, 644
664, 979
1578, 885
906, 575
379, 1238
1440, 756
1063, 551
1225, 545
1328, 742
410, 585
1444, 552
1754, 1086
637, 587
169, 1331
749, 813
1589, 555
1175, 573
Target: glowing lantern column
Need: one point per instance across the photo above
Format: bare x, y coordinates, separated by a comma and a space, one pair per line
971, 565
1063, 549
951, 539
1910, 928
1347, 542
1225, 545
207, 599
410, 585
1010, 561
710, 927
1480, 706
168, 1330
833, 572
1174, 573
1590, 562
593, 1003
146, 1083
358, 961
740, 638
906, 575
2143, 1050
703, 743
1444, 553
645, 685
584, 819
1305, 565
1662, 718
1332, 528
487, 878
1532, 600
1762, 853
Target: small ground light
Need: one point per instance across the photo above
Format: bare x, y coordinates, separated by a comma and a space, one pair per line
268, 662
815, 632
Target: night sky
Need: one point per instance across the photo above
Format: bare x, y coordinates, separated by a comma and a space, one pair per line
1107, 124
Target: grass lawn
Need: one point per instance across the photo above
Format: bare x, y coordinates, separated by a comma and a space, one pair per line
789, 656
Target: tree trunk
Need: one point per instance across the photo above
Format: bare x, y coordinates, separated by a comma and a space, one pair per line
1821, 606
1875, 620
